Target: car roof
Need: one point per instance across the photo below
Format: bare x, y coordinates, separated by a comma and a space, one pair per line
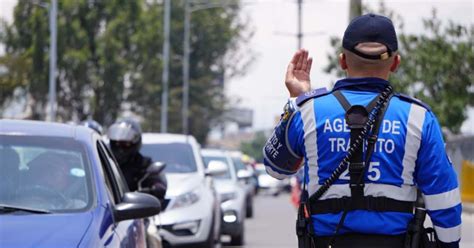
235, 154
213, 152
42, 128
149, 138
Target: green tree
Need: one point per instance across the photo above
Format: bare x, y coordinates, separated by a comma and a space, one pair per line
254, 147
216, 35
109, 60
437, 67
25, 42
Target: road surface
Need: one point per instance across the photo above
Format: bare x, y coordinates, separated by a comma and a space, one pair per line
273, 224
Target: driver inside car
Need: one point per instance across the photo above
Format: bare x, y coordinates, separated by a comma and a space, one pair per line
9, 173
50, 178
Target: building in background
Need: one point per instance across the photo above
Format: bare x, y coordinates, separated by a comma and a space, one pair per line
235, 128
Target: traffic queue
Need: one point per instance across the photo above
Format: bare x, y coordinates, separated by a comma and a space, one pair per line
65, 185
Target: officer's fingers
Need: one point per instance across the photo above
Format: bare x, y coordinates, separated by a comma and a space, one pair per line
289, 71
310, 63
299, 64
296, 57
305, 60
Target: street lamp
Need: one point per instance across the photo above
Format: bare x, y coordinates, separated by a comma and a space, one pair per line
186, 52
187, 19
52, 13
166, 58
53, 10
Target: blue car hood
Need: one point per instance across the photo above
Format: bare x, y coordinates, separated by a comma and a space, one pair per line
43, 230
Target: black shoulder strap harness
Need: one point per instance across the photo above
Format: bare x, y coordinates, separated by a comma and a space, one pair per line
311, 94
356, 117
365, 124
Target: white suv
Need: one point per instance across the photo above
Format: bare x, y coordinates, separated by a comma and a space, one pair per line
233, 195
191, 212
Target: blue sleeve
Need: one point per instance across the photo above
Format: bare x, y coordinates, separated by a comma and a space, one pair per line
283, 152
296, 134
438, 182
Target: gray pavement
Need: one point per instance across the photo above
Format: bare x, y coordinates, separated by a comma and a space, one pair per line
467, 231
273, 224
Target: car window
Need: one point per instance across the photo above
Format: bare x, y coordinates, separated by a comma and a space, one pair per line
223, 159
110, 187
48, 173
122, 184
238, 164
179, 157
111, 184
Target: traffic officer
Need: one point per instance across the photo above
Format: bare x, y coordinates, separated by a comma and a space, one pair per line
402, 146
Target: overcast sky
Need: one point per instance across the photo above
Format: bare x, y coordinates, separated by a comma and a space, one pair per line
262, 87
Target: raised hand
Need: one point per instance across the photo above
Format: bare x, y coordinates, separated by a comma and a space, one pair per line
297, 78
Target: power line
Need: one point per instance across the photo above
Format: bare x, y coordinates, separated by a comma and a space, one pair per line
300, 34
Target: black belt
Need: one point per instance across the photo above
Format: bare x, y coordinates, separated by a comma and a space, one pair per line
359, 240
370, 203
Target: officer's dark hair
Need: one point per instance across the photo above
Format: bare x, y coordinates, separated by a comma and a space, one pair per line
358, 62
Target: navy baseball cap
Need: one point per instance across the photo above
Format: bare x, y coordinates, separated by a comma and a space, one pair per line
371, 28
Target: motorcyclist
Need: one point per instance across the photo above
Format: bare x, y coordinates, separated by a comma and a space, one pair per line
125, 138
125, 141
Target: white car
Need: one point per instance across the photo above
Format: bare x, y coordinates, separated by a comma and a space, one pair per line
266, 183
232, 193
191, 212
245, 175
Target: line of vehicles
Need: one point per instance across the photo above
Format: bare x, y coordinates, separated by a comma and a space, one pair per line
60, 186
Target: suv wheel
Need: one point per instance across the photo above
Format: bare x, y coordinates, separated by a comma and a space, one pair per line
239, 238
249, 208
210, 241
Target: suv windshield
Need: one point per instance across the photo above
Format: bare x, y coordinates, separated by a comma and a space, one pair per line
238, 164
179, 157
44, 173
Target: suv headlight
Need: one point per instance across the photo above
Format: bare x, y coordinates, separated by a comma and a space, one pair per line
185, 200
228, 196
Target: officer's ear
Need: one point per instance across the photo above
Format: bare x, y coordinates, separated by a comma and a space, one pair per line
342, 61
395, 63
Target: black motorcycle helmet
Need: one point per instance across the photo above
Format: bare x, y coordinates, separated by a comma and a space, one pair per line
125, 139
94, 125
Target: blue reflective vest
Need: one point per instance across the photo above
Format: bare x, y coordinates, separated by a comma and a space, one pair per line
409, 153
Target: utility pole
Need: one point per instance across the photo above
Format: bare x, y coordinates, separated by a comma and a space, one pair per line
299, 35
53, 9
166, 58
355, 9
186, 48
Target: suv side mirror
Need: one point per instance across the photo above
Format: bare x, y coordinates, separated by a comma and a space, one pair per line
154, 169
244, 174
136, 205
216, 168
